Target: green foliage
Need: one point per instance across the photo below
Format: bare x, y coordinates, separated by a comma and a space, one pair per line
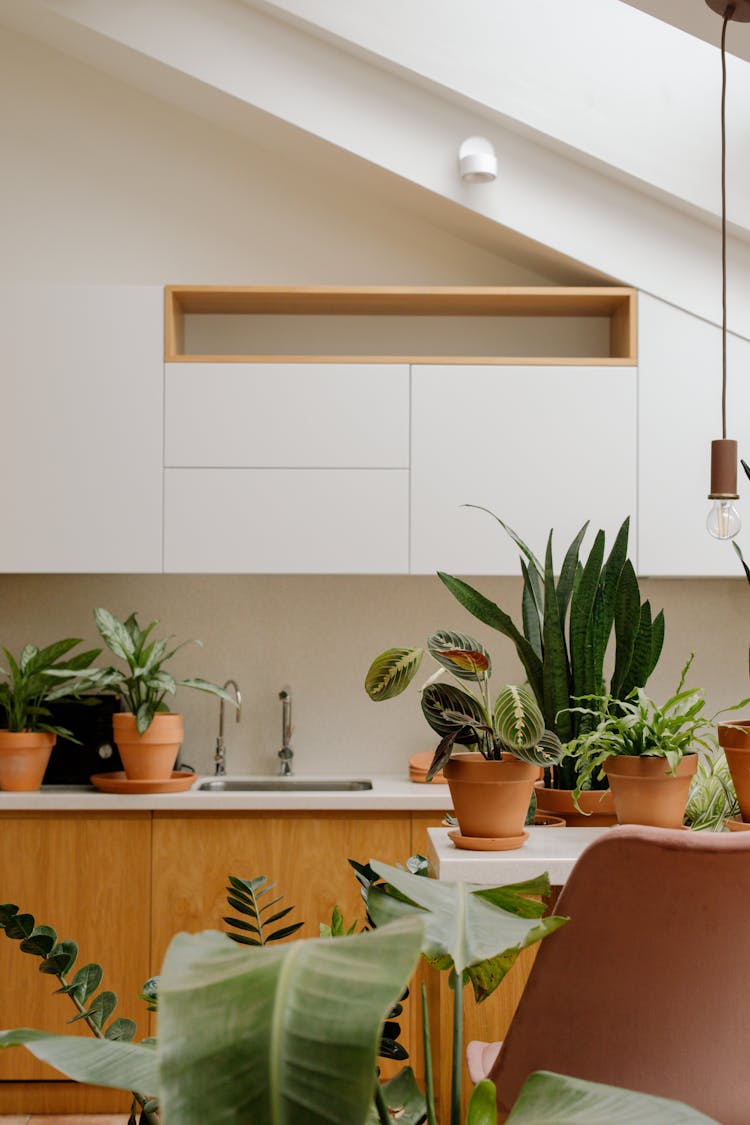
43, 676
637, 726
566, 628
712, 798
513, 725
57, 959
554, 1099
244, 896
147, 684
338, 927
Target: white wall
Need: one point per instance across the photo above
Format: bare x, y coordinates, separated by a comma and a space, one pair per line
103, 184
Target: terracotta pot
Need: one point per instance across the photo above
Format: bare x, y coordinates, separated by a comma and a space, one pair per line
149, 756
597, 803
734, 739
491, 799
645, 791
547, 820
23, 758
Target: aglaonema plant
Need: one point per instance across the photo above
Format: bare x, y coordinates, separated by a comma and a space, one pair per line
566, 626
43, 676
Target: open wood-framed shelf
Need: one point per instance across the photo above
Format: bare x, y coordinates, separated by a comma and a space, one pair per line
616, 304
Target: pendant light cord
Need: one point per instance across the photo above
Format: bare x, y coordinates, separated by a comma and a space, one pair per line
729, 12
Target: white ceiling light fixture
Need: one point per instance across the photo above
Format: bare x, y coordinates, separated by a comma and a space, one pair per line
477, 162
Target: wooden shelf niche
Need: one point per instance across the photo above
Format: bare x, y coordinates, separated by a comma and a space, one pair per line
396, 324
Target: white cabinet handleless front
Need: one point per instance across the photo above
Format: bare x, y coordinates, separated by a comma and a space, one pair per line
540, 446
82, 412
287, 415
287, 468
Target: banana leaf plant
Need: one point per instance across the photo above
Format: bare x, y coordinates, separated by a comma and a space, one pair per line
287, 1035
566, 626
512, 724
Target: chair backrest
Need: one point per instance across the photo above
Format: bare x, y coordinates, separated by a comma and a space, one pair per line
648, 985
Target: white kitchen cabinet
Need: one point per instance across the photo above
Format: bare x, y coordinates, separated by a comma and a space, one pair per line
679, 416
541, 446
287, 415
81, 448
287, 521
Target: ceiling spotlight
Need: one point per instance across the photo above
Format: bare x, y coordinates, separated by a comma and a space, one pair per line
477, 161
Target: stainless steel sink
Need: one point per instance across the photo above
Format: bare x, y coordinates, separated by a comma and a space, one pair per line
282, 785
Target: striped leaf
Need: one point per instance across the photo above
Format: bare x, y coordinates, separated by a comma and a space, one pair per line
547, 752
391, 672
627, 621
568, 572
604, 615
519, 723
556, 671
446, 708
460, 654
581, 622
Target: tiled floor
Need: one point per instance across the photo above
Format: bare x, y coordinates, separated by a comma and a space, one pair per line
58, 1119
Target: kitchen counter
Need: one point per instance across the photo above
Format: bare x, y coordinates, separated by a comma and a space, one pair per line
388, 792
553, 850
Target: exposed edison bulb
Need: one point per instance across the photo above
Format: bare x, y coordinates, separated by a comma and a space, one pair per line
723, 520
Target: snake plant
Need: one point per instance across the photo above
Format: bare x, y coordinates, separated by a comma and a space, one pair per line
566, 628
512, 724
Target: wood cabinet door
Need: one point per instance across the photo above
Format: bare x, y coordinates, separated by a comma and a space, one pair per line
541, 447
82, 428
89, 877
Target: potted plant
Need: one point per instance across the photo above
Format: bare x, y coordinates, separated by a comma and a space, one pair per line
29, 684
491, 785
148, 734
566, 628
648, 753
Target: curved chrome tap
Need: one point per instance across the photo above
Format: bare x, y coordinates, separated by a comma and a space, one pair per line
286, 754
220, 754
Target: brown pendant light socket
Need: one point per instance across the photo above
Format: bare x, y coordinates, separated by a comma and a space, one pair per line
723, 470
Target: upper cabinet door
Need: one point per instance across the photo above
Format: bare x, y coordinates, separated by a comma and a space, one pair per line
679, 416
541, 447
81, 450
287, 415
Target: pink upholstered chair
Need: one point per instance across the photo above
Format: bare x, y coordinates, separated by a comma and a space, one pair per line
648, 985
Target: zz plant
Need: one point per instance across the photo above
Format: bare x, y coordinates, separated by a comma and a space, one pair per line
512, 724
567, 624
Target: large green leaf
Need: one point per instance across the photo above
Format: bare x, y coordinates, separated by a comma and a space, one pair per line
482, 1106
405, 1101
391, 672
627, 621
123, 1066
460, 654
286, 1035
490, 614
568, 572
604, 607
554, 1099
580, 627
462, 927
556, 670
445, 707
519, 724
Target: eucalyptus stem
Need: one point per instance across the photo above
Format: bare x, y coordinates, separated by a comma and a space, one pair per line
384, 1116
429, 1079
457, 1061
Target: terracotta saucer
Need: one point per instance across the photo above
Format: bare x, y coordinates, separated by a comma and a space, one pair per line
487, 843
737, 825
117, 782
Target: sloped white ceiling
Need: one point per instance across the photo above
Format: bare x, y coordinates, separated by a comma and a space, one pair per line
604, 118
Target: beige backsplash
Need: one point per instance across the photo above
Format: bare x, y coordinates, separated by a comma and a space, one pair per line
319, 633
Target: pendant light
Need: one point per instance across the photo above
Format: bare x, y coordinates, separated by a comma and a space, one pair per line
724, 520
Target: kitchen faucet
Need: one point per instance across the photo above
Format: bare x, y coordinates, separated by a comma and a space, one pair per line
220, 755
286, 754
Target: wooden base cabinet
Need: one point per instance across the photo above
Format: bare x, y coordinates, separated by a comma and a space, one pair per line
89, 877
122, 885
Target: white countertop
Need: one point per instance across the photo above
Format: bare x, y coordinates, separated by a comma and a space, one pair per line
553, 850
388, 792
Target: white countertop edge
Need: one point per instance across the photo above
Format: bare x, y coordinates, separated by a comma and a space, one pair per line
554, 850
389, 792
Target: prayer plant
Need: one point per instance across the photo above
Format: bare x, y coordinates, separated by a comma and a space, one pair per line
512, 724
